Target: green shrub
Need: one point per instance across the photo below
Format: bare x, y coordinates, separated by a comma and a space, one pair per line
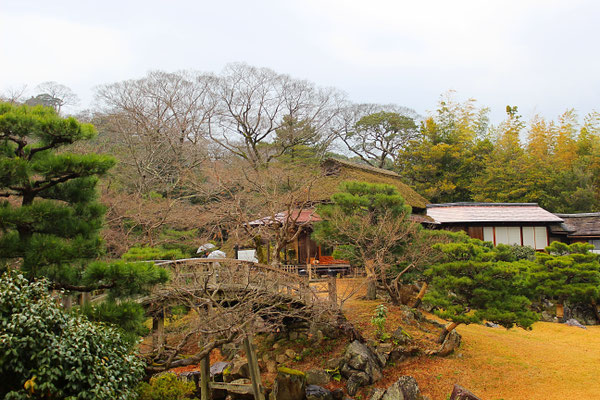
166, 387
46, 352
152, 253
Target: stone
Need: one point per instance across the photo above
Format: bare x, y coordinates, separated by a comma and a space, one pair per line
400, 336
574, 322
276, 346
460, 393
385, 348
293, 335
318, 336
402, 353
405, 388
291, 353
315, 392
239, 369
547, 317
491, 325
377, 394
317, 377
355, 381
266, 357
271, 366
337, 394
290, 384
334, 363
281, 358
217, 370
451, 343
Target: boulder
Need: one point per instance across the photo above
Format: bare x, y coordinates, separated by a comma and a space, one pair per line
355, 381
271, 366
451, 343
314, 392
290, 384
291, 353
237, 370
317, 377
400, 336
401, 353
574, 322
337, 394
281, 358
405, 388
334, 363
361, 366
217, 370
491, 325
460, 393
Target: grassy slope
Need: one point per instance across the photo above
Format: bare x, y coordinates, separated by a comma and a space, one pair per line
552, 361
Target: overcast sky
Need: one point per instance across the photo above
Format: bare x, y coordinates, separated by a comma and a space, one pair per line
540, 55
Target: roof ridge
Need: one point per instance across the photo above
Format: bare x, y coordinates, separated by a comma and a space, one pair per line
578, 215
476, 204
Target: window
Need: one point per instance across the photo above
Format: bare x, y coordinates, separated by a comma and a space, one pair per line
534, 236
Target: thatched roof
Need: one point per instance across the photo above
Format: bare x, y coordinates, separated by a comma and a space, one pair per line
336, 171
579, 225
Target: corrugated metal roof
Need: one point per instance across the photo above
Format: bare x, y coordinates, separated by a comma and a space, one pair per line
489, 212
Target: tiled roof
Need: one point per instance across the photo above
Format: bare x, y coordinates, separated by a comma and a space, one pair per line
489, 212
585, 224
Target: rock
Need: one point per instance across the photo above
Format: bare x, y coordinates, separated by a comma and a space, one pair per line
191, 376
239, 369
355, 381
290, 384
314, 392
402, 353
574, 322
400, 336
317, 377
337, 394
334, 363
293, 335
266, 357
491, 325
281, 358
276, 346
271, 366
547, 317
451, 343
291, 353
361, 366
270, 338
405, 388
318, 336
377, 394
460, 393
385, 348
217, 370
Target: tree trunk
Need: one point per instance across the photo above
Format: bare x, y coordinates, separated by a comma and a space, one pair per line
449, 328
371, 280
595, 308
421, 294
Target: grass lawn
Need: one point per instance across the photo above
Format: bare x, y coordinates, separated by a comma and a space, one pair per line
552, 361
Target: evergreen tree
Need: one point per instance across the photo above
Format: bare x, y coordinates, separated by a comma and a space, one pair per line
474, 285
50, 218
568, 273
369, 225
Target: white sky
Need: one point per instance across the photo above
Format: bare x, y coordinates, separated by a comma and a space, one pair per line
541, 55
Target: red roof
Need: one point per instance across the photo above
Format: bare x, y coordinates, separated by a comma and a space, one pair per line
298, 217
489, 212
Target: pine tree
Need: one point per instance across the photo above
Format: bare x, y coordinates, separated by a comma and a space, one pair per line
473, 285
50, 218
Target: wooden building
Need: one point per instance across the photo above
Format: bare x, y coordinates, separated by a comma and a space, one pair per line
304, 250
525, 224
583, 227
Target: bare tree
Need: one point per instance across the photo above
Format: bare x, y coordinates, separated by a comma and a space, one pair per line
376, 133
253, 104
161, 121
13, 95
54, 95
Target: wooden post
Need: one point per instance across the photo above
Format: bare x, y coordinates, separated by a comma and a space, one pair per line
158, 330
204, 378
85, 298
332, 289
253, 367
67, 301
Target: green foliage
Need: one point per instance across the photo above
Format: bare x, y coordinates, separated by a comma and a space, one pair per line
166, 387
568, 273
46, 352
472, 285
378, 320
152, 253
